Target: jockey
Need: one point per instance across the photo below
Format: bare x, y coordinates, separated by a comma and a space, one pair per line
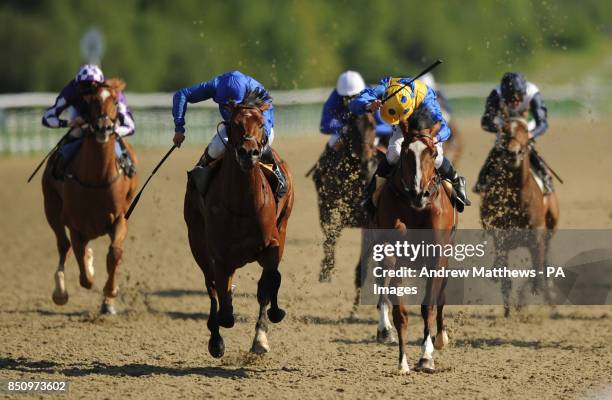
518, 96
223, 89
400, 106
75, 97
335, 115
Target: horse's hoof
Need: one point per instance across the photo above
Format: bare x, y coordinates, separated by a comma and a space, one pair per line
260, 348
226, 320
441, 340
216, 347
60, 298
426, 365
108, 309
85, 283
386, 336
276, 315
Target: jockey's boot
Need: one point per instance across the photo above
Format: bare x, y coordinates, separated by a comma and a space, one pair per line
201, 174
58, 171
267, 157
536, 162
383, 170
62, 157
447, 171
486, 172
125, 161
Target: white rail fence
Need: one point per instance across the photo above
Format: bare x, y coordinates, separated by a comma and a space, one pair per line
297, 112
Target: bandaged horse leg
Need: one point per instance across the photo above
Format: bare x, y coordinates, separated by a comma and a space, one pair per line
113, 259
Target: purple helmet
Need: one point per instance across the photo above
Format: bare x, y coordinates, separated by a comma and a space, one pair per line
90, 73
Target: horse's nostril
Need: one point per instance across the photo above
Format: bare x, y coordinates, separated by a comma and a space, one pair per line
255, 153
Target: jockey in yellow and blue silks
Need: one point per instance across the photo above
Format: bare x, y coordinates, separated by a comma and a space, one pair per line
336, 113
408, 97
223, 89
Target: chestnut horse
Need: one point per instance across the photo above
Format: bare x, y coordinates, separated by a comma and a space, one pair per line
514, 202
237, 222
93, 198
414, 199
339, 178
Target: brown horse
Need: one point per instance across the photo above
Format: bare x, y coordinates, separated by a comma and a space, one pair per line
237, 222
339, 178
413, 199
93, 198
514, 202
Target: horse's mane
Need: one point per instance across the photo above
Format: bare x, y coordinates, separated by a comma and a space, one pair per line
256, 98
421, 119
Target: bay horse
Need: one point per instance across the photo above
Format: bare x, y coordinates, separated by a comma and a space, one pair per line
237, 222
515, 208
413, 199
93, 198
340, 177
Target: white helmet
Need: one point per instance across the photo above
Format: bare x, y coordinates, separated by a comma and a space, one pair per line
350, 83
429, 80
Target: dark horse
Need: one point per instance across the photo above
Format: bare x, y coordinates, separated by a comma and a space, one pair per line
340, 177
237, 222
414, 199
515, 208
93, 199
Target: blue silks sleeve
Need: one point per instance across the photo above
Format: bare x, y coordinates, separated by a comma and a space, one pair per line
194, 94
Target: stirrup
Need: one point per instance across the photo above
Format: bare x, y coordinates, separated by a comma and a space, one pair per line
281, 182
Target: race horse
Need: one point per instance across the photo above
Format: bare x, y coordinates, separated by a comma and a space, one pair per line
415, 201
515, 209
340, 177
238, 221
92, 199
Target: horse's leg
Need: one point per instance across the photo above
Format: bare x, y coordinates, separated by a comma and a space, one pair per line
223, 284
501, 259
260, 341
428, 313
384, 331
441, 335
400, 320
53, 212
84, 258
331, 232
113, 259
216, 347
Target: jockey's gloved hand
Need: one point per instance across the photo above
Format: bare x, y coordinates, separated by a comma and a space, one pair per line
178, 138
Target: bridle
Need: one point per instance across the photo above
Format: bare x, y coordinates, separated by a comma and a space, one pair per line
405, 191
244, 138
510, 137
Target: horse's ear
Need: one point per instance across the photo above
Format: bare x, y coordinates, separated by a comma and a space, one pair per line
116, 84
264, 106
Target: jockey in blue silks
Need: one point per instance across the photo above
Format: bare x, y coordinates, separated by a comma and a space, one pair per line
224, 89
336, 113
403, 100
75, 98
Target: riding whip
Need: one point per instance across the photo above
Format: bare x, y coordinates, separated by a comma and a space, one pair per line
426, 70
53, 150
137, 198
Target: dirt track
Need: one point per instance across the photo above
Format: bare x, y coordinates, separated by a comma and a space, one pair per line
157, 346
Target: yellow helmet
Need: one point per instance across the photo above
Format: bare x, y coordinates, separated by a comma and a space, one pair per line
400, 105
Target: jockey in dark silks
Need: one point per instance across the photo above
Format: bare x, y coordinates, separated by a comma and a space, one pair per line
230, 87
336, 113
75, 98
401, 105
518, 96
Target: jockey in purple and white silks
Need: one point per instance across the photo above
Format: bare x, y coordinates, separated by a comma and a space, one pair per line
403, 99
336, 113
74, 98
224, 89
518, 96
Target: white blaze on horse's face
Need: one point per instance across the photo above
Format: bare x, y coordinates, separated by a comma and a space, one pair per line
515, 146
104, 93
417, 147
